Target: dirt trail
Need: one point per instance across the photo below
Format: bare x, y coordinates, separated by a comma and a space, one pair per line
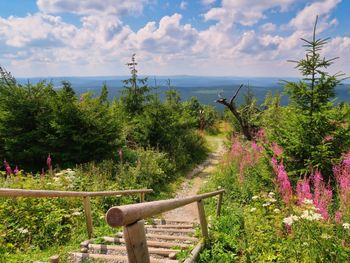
193, 183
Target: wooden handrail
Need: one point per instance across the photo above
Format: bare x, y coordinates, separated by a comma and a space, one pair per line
9, 192
129, 214
131, 217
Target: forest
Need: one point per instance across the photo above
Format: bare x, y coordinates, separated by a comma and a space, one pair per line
286, 171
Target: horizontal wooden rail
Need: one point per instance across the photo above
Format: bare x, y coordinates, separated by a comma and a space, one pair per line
9, 192
129, 214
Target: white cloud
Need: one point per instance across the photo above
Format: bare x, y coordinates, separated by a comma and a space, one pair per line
44, 44
169, 38
268, 27
35, 30
208, 2
183, 5
87, 7
245, 12
305, 19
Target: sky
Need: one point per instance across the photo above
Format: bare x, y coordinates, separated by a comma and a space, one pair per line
41, 38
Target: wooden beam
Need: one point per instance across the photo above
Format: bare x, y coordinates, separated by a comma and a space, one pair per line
151, 250
142, 197
194, 253
203, 220
88, 215
172, 230
117, 258
128, 214
218, 207
136, 243
170, 226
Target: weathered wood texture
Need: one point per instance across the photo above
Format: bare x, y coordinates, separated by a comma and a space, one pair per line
128, 214
218, 207
136, 243
88, 215
203, 220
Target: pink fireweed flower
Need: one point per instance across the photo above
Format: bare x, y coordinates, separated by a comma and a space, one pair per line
322, 195
283, 182
260, 135
277, 150
303, 190
8, 170
342, 176
49, 162
16, 170
338, 217
328, 138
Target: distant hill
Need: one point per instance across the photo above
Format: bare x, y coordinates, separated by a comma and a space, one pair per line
205, 88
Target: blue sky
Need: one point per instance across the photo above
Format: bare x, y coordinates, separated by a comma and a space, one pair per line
178, 37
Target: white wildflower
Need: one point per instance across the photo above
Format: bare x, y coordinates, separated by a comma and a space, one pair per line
253, 209
346, 226
289, 220
272, 200
255, 197
76, 213
276, 210
271, 194
325, 236
266, 204
23, 230
310, 215
308, 201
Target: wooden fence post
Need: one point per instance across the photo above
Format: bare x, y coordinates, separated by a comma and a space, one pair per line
142, 197
218, 207
54, 259
136, 243
203, 220
88, 216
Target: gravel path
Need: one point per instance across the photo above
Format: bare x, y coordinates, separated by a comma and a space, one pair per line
195, 179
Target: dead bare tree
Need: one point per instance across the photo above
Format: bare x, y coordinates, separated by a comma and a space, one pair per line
245, 124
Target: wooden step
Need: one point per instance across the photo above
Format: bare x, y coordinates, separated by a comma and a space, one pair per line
173, 230
117, 258
150, 243
151, 250
172, 222
166, 237
170, 226
169, 237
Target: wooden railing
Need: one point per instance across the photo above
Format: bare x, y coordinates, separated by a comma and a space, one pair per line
8, 192
131, 217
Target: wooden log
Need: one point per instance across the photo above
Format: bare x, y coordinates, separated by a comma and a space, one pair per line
128, 214
118, 258
149, 243
8, 192
54, 259
167, 237
151, 250
142, 197
218, 207
88, 215
136, 243
173, 230
194, 253
170, 226
162, 221
203, 220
